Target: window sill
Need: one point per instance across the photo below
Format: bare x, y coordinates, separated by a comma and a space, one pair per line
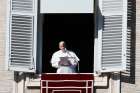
34, 82
98, 81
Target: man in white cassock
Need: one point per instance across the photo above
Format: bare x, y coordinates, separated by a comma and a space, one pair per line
64, 60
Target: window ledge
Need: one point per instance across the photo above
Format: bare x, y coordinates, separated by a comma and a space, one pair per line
100, 81
33, 84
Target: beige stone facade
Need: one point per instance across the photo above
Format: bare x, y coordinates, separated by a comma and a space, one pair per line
8, 80
6, 77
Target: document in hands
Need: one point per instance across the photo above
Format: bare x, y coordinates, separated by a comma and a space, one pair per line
64, 61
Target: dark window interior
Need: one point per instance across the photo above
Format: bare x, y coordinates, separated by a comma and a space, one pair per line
78, 32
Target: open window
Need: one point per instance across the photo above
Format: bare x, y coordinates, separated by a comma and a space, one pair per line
106, 49
77, 30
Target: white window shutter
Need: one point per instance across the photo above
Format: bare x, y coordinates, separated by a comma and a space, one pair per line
112, 35
22, 35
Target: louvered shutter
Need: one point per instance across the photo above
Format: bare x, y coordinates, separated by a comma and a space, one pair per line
22, 35
112, 34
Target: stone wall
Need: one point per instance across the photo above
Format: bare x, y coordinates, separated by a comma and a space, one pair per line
6, 77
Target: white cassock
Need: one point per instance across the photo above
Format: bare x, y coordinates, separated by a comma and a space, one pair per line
73, 59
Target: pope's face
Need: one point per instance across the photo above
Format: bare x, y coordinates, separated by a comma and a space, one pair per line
62, 46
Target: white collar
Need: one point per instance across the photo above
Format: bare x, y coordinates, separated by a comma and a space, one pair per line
65, 50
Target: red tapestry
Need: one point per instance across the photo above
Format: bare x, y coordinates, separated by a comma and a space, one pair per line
67, 83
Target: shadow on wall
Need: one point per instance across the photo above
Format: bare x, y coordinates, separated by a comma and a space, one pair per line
98, 20
129, 75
